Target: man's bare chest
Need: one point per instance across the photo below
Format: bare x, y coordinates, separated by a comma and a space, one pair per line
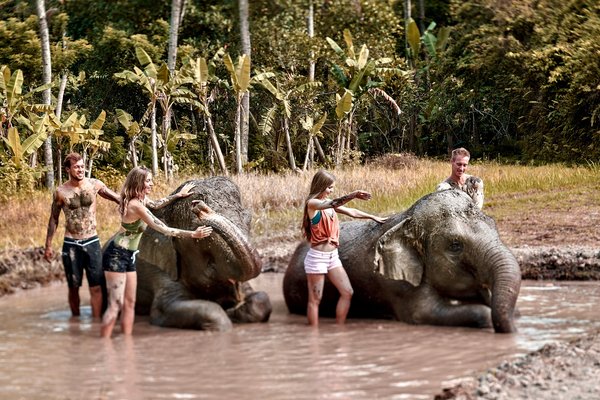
79, 198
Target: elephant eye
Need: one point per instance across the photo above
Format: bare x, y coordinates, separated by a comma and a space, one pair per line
455, 246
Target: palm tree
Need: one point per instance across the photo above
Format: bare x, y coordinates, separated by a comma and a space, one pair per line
245, 103
240, 83
176, 13
47, 79
202, 74
356, 77
283, 109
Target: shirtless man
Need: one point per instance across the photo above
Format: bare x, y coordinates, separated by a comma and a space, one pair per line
81, 248
470, 184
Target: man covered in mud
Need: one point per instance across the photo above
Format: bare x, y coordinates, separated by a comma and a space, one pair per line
81, 247
459, 179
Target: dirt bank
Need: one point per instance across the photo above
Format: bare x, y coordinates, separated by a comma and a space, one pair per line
563, 370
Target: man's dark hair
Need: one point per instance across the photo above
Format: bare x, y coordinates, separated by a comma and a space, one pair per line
71, 158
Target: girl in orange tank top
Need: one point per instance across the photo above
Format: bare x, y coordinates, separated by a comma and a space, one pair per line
321, 228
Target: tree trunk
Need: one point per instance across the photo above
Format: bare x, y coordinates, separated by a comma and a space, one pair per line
153, 141
319, 149
167, 159
407, 16
58, 113
46, 78
288, 142
238, 140
132, 151
176, 8
215, 145
246, 49
311, 34
422, 15
309, 147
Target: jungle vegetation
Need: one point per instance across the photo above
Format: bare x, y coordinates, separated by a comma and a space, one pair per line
224, 86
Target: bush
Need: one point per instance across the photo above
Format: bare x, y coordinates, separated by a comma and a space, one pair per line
17, 180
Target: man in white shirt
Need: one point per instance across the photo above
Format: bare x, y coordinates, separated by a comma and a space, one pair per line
459, 179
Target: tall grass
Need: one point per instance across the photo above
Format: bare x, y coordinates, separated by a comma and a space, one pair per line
276, 199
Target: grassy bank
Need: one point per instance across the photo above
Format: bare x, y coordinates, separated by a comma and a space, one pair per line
276, 199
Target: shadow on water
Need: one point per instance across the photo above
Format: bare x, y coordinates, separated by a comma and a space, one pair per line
49, 355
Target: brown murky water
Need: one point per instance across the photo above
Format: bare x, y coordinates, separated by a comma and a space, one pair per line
45, 355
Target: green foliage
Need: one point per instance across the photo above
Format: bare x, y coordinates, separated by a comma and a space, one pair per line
519, 82
17, 179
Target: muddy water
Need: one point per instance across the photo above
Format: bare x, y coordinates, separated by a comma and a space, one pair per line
46, 355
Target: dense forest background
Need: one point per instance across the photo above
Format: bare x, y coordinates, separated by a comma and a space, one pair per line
166, 83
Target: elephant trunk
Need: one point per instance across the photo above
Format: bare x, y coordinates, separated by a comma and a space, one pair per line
505, 280
235, 239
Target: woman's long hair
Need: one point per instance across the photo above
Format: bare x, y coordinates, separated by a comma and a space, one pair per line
320, 182
134, 187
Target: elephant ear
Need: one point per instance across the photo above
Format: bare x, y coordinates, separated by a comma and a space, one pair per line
397, 254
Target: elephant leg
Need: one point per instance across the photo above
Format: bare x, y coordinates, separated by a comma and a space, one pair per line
191, 314
256, 307
426, 306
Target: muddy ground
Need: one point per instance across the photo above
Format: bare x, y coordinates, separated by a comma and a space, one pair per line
549, 244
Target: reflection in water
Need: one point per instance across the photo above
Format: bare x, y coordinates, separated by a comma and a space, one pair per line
48, 355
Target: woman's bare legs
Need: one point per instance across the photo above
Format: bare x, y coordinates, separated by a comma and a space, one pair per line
340, 280
315, 294
128, 313
115, 284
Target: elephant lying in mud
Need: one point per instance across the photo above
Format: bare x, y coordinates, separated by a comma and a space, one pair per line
441, 262
201, 283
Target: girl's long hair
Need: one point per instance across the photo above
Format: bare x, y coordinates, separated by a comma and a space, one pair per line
320, 181
134, 186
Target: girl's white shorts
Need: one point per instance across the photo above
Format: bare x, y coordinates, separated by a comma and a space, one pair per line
320, 262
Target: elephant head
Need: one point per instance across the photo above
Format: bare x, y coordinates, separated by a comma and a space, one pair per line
440, 262
445, 242
213, 269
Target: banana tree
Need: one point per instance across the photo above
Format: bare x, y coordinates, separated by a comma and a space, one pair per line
434, 44
165, 89
314, 130
73, 129
355, 77
148, 81
133, 130
202, 74
38, 126
282, 108
421, 62
240, 84
14, 102
91, 140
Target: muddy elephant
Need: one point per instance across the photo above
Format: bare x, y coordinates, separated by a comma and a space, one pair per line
201, 283
441, 262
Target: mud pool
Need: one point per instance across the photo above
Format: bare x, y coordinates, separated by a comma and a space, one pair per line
47, 355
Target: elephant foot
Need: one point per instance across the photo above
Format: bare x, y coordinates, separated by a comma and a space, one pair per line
256, 307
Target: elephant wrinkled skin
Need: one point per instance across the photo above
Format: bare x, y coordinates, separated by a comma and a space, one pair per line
201, 283
441, 262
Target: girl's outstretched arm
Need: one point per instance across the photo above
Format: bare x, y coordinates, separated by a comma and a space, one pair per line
142, 212
317, 204
184, 192
354, 213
